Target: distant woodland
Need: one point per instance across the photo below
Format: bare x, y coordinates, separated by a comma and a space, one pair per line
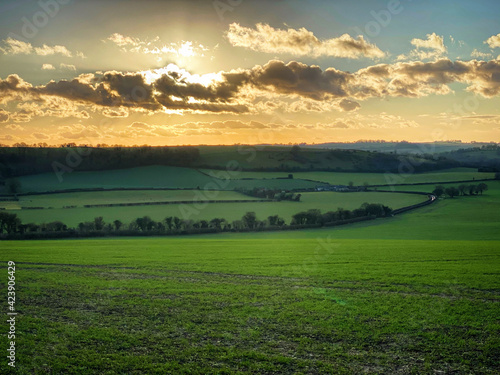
26, 160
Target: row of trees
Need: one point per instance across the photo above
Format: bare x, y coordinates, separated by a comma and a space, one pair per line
315, 216
463, 189
276, 194
11, 224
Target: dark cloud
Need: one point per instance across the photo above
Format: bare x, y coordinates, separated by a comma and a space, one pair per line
301, 79
349, 105
4, 116
80, 92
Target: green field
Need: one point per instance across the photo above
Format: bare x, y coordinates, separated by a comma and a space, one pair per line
414, 294
149, 177
162, 177
113, 197
466, 218
343, 178
326, 201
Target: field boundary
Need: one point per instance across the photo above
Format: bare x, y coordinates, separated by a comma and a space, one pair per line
176, 202
94, 190
432, 198
128, 233
8, 197
434, 183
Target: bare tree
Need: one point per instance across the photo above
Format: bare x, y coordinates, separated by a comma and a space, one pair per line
13, 186
482, 187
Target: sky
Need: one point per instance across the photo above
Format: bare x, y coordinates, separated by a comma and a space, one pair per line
248, 71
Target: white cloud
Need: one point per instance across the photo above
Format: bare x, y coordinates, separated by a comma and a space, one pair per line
433, 41
431, 48
46, 50
301, 42
67, 66
155, 47
16, 47
122, 40
48, 67
115, 113
482, 55
493, 41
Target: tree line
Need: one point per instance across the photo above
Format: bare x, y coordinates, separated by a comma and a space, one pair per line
25, 159
276, 194
10, 224
20, 161
463, 189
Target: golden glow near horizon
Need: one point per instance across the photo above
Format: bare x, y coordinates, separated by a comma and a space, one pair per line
257, 72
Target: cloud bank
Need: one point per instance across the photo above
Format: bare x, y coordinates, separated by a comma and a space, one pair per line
301, 42
173, 89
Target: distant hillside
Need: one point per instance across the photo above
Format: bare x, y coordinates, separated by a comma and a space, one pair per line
22, 161
293, 159
487, 157
401, 147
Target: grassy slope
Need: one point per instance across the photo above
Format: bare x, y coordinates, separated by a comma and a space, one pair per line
155, 176
186, 178
274, 157
474, 218
343, 178
148, 177
258, 157
325, 201
415, 294
413, 148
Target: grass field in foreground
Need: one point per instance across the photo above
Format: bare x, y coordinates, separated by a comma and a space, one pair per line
325, 201
343, 178
189, 305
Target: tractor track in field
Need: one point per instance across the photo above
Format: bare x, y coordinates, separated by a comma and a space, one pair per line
368, 286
